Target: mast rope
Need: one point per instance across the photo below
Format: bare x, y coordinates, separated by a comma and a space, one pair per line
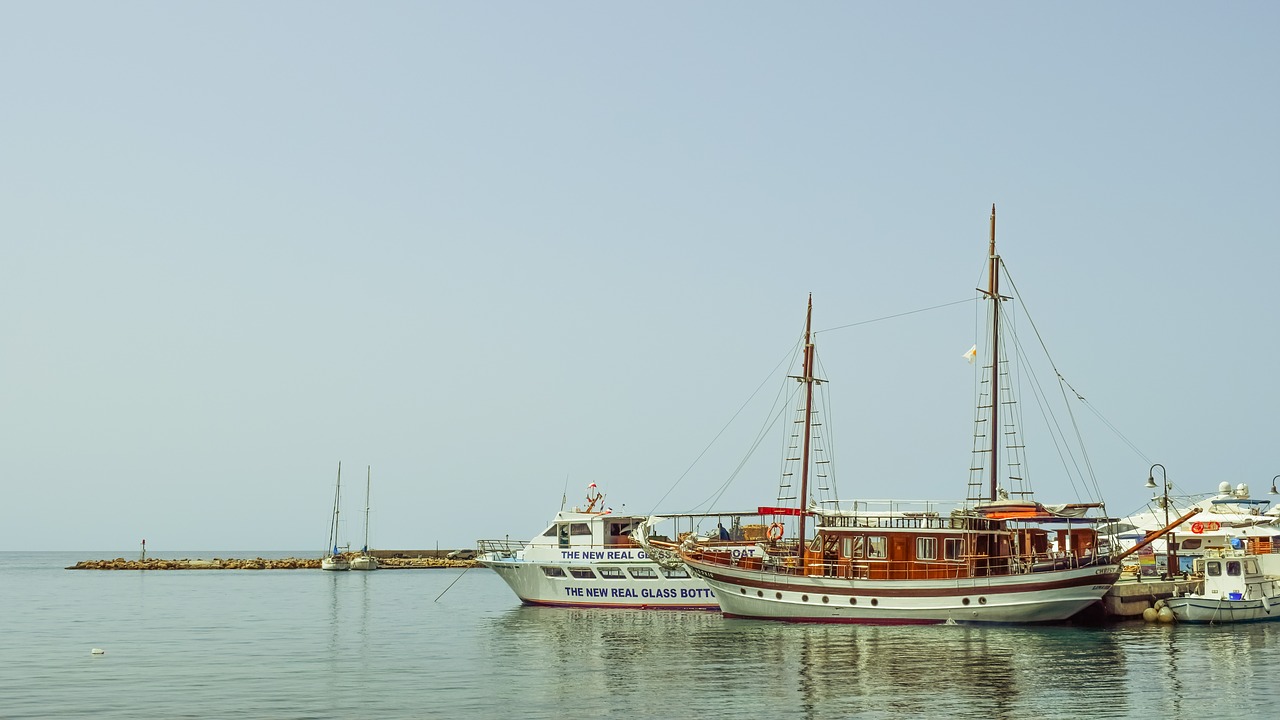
890, 317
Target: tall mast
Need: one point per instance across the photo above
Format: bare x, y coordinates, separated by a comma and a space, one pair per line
993, 293
368, 475
808, 381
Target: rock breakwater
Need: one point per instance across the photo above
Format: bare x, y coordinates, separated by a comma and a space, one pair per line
388, 563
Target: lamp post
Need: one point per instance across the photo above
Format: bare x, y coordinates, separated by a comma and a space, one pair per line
1171, 556
1273, 485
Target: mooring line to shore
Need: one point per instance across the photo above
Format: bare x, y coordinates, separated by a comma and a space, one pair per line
442, 592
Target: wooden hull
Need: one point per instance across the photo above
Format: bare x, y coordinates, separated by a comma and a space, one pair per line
1027, 598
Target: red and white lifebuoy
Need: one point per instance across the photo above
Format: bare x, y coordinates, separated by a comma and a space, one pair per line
1197, 528
775, 531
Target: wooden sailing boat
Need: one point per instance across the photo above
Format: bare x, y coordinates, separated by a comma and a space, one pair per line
996, 558
365, 561
334, 559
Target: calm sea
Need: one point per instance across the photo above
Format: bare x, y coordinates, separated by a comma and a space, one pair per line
449, 644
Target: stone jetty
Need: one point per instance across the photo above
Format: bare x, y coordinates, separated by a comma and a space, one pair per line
389, 561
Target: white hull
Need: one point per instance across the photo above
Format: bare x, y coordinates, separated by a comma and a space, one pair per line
1032, 597
591, 558
1214, 610
334, 563
658, 589
364, 562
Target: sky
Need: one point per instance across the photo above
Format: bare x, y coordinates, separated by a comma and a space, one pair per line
487, 253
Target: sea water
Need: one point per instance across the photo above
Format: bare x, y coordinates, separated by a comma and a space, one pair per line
448, 643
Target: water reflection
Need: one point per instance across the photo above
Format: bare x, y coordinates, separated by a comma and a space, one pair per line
699, 661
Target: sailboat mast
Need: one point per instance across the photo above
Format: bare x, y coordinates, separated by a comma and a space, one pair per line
808, 381
368, 474
993, 292
337, 497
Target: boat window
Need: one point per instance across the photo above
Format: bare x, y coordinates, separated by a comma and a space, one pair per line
1190, 544
1233, 568
926, 548
643, 573
551, 532
611, 573
952, 548
579, 529
1251, 566
853, 546
1213, 569
621, 528
877, 546
550, 571
582, 572
675, 573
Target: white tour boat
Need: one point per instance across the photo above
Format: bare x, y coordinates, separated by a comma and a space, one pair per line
1000, 557
589, 557
1241, 584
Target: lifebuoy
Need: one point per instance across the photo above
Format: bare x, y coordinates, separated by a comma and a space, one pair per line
1197, 528
775, 531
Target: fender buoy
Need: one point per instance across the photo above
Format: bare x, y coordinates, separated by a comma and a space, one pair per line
1197, 528
775, 531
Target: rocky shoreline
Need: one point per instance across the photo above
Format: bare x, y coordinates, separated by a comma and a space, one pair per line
384, 563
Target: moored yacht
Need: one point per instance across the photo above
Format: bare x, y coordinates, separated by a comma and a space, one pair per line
590, 557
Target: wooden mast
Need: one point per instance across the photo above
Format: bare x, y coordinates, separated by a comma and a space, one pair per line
993, 292
808, 381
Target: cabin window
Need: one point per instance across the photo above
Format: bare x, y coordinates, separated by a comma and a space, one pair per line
1233, 568
877, 547
1213, 569
582, 572
643, 573
621, 528
611, 573
1190, 544
926, 548
853, 546
579, 529
551, 531
952, 548
675, 573
552, 571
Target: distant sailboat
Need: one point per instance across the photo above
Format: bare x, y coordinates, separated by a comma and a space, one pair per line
334, 559
365, 561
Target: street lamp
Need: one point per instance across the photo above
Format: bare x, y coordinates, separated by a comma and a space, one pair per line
1171, 555
1273, 485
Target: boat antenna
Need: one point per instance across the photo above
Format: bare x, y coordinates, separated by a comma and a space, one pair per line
564, 494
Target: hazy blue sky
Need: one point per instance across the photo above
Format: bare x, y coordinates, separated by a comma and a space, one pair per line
494, 249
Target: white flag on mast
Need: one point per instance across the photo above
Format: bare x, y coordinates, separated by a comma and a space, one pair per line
971, 354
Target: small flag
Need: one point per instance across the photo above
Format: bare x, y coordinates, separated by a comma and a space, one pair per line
973, 353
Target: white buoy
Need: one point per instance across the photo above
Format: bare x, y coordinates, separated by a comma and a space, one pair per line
1165, 615
97, 651
1150, 614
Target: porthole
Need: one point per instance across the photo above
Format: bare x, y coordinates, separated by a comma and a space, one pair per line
825, 599
759, 593
875, 601
982, 601
742, 590
778, 595
965, 601
804, 598
853, 601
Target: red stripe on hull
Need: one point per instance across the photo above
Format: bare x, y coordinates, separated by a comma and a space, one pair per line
839, 621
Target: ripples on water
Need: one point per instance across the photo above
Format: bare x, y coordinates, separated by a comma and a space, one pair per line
307, 644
